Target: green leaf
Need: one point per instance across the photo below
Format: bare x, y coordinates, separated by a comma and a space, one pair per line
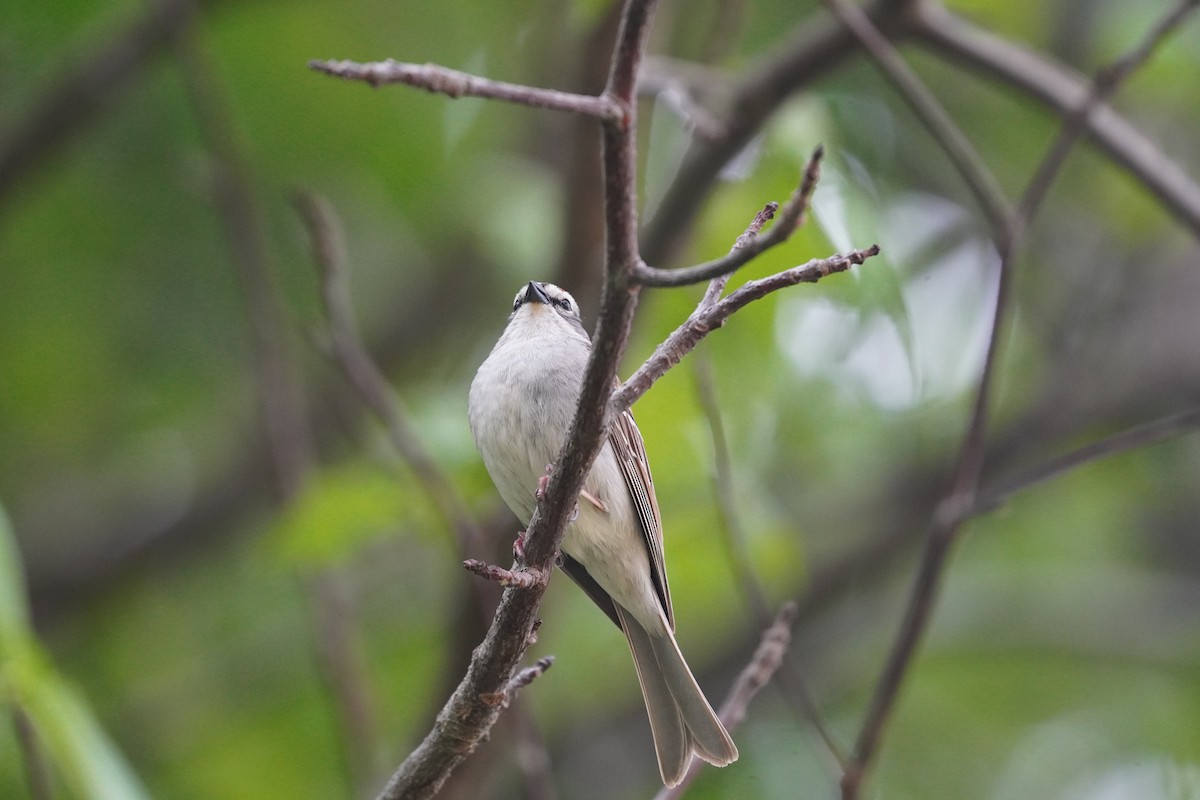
90, 763
85, 756
14, 608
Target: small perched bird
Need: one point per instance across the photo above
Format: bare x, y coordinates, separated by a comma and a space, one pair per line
521, 405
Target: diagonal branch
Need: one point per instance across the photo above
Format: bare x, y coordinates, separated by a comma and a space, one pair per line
1106, 84
455, 84
1125, 441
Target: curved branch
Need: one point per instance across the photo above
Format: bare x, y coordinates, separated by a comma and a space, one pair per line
1064, 91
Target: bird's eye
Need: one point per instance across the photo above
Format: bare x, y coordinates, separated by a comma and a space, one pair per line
563, 303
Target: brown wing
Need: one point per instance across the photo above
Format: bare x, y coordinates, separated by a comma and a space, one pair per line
627, 445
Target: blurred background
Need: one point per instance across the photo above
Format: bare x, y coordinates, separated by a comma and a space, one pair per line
236, 586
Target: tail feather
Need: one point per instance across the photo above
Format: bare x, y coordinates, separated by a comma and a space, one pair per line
672, 741
710, 739
681, 720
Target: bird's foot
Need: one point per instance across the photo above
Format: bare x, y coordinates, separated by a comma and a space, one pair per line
519, 547
543, 482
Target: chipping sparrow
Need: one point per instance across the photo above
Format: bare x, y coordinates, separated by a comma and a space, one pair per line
520, 407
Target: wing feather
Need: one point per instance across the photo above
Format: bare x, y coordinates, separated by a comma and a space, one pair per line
626, 442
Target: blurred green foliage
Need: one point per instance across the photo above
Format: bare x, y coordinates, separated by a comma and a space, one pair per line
1062, 659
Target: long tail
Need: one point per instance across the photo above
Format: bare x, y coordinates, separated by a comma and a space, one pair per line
681, 719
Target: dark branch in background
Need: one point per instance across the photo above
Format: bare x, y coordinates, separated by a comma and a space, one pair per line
964, 484
1064, 91
338, 650
822, 45
1150, 433
1106, 83
818, 48
350, 355
929, 111
87, 88
767, 659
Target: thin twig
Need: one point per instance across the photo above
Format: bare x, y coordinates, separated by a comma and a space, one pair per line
971, 167
704, 320
526, 578
519, 682
455, 84
751, 243
669, 88
766, 660
716, 286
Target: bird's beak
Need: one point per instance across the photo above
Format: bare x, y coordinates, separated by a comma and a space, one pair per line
536, 293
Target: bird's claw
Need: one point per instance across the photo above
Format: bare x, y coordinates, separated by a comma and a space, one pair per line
543, 482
